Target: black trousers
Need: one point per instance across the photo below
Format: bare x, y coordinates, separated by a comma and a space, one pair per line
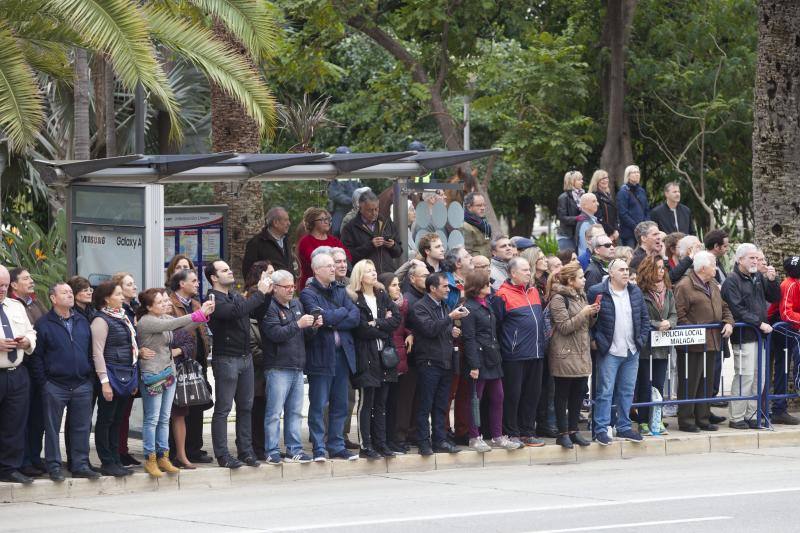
372, 415
433, 391
14, 401
695, 386
257, 417
68, 430
569, 397
522, 385
106, 428
34, 427
405, 411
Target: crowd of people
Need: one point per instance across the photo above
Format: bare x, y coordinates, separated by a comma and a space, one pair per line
497, 331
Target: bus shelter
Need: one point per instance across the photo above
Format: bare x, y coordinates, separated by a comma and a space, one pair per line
115, 206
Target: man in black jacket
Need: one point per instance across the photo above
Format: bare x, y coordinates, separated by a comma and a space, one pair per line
370, 236
671, 215
271, 244
434, 332
232, 362
283, 333
747, 291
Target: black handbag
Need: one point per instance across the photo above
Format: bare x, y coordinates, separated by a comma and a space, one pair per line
389, 357
191, 388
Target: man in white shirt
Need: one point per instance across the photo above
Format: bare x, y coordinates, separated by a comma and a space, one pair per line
622, 328
17, 339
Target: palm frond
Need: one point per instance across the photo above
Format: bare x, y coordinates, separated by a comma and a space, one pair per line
119, 28
221, 65
48, 58
21, 111
250, 21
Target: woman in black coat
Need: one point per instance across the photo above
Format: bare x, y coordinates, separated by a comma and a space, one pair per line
379, 318
607, 210
568, 210
483, 361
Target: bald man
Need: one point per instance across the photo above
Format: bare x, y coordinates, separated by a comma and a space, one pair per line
17, 339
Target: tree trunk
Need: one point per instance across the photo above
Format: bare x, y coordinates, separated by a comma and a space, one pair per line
776, 131
617, 152
80, 136
233, 129
110, 112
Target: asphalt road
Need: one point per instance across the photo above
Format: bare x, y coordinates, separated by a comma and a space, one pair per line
748, 491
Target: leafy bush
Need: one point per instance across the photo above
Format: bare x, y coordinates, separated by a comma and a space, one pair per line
41, 252
548, 244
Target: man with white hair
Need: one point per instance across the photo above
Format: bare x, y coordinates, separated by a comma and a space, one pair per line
747, 291
687, 246
603, 248
698, 301
584, 221
331, 358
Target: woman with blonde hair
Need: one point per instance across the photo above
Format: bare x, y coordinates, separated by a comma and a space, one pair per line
374, 371
632, 205
606, 214
569, 356
317, 223
539, 274
568, 209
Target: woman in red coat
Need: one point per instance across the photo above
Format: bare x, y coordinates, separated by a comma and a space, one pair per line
317, 222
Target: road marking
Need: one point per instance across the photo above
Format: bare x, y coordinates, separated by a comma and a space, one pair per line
494, 512
635, 524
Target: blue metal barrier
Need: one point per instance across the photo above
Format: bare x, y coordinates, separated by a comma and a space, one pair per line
682, 350
786, 338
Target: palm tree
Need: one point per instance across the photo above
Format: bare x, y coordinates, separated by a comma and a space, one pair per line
37, 35
776, 131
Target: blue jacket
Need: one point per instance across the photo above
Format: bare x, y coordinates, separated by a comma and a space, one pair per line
340, 314
520, 323
603, 329
633, 208
59, 357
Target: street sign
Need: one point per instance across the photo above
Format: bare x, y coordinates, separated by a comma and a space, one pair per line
677, 337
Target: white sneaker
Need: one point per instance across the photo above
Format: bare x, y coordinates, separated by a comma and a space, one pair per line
506, 443
479, 445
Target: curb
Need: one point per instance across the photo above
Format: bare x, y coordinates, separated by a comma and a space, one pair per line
214, 477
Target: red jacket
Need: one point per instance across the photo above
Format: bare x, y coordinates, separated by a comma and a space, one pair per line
790, 302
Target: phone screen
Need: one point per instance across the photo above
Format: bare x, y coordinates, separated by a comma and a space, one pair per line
211, 296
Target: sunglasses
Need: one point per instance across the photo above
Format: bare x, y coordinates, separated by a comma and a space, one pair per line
606, 245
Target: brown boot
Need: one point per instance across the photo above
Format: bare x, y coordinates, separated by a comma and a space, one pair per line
151, 466
165, 464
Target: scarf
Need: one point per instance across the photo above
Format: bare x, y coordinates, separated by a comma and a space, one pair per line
399, 301
659, 294
120, 314
482, 301
479, 223
576, 196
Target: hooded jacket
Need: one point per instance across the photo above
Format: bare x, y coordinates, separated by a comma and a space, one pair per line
569, 350
520, 322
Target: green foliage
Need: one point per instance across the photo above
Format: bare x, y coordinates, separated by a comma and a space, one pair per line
548, 244
40, 251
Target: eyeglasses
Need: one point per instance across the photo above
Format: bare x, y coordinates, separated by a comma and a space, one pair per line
287, 287
327, 220
606, 245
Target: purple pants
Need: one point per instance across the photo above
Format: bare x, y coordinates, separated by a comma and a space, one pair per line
494, 389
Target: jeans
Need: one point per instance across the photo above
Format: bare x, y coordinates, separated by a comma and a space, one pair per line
645, 384
522, 385
155, 426
284, 391
329, 392
233, 377
433, 390
565, 243
14, 395
616, 379
106, 428
79, 404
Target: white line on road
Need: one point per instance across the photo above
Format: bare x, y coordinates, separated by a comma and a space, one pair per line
635, 524
451, 516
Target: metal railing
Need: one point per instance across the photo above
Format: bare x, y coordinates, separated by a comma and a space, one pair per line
786, 339
707, 381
